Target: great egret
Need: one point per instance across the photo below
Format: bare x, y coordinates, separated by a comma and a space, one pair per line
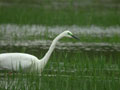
26, 62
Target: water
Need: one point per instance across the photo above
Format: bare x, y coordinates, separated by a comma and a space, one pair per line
41, 37
9, 29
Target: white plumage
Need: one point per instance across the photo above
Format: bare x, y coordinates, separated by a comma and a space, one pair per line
17, 61
27, 62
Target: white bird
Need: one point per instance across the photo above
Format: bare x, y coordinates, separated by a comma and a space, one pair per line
27, 62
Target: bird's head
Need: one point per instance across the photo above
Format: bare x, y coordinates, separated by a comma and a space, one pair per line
69, 34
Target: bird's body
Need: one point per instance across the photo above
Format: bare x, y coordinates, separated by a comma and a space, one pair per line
27, 62
17, 60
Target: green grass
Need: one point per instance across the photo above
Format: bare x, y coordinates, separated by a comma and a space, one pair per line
70, 70
82, 16
59, 1
66, 70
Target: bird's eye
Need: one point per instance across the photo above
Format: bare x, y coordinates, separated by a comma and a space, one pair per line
69, 34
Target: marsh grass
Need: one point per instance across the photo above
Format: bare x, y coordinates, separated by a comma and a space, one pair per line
46, 35
49, 36
70, 70
66, 70
89, 15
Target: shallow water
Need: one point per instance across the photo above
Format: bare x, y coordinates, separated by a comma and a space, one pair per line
68, 46
10, 33
8, 29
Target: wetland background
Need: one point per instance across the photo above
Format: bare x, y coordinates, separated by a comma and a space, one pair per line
92, 63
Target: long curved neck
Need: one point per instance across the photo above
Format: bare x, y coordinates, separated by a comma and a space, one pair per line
49, 52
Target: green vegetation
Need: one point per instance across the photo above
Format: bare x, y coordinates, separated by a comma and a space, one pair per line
66, 70
51, 15
70, 70
25, 37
